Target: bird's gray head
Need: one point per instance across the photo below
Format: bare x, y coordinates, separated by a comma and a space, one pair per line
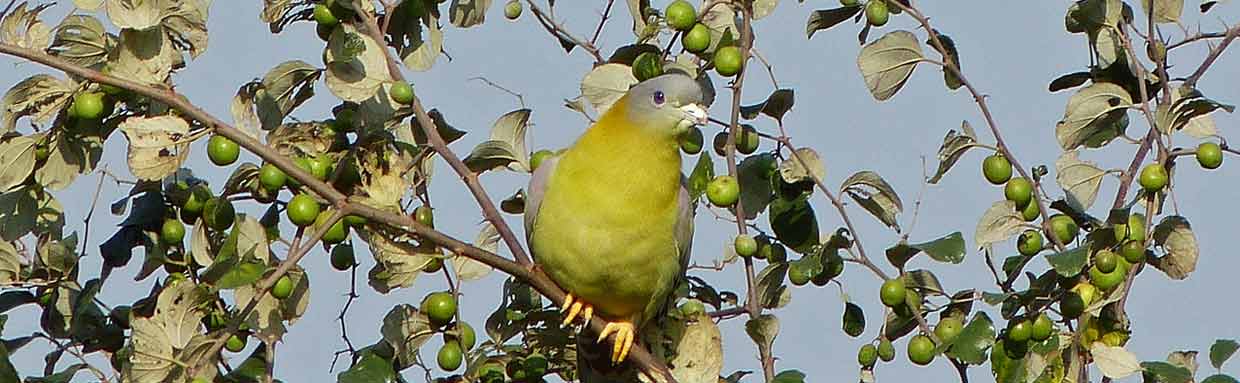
671, 102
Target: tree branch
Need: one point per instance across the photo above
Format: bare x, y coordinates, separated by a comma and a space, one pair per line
980, 100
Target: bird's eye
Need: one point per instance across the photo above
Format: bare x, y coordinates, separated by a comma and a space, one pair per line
659, 98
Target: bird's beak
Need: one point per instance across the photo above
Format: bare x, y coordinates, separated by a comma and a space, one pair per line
695, 114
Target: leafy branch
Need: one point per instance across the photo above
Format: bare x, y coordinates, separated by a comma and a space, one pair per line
638, 355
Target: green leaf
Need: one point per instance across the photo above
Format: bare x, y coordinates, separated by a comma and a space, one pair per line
952, 55
974, 340
1092, 114
854, 320
406, 329
490, 155
947, 249
954, 146
1000, 222
241, 274
789, 376
887, 63
754, 176
156, 145
925, 281
12, 299
354, 72
1176, 237
8, 373
1069, 81
770, 284
1222, 350
874, 194
1115, 362
1080, 180
370, 368
16, 161
607, 83
1069, 263
804, 165
775, 105
699, 350
1219, 378
158, 339
284, 88
794, 223
82, 40
763, 329
64, 376
763, 8
40, 96
468, 13
1164, 11
825, 19
1164, 372
702, 173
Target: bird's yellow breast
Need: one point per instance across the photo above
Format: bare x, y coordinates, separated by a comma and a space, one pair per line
605, 229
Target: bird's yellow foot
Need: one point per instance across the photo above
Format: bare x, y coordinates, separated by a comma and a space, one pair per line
624, 332
574, 307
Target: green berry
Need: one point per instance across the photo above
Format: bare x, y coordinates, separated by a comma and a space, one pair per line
402, 93
1106, 261
272, 178
996, 168
218, 213
1153, 178
1019, 330
886, 350
172, 232
538, 157
87, 106
512, 9
948, 328
283, 287
323, 15
728, 61
1064, 228
342, 257
1029, 243
302, 210
450, 356
1209, 155
1018, 190
235, 343
424, 215
691, 141
336, 233
723, 191
648, 65
876, 13
439, 307
697, 39
222, 151
745, 245
1133, 251
920, 347
867, 355
680, 15
892, 293
1042, 328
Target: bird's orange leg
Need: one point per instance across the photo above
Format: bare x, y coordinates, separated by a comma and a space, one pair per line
574, 307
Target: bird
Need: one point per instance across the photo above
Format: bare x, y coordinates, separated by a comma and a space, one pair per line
609, 218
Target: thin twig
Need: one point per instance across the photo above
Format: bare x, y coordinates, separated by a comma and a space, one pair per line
560, 32
601, 22
520, 99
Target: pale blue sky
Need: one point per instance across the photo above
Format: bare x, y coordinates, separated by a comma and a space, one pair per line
1010, 50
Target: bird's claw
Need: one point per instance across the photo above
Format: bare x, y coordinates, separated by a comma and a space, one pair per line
574, 308
623, 341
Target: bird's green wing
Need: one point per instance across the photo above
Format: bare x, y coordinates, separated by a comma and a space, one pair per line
535, 191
